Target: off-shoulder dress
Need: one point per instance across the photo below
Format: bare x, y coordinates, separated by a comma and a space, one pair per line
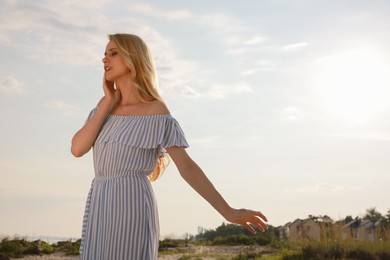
121, 217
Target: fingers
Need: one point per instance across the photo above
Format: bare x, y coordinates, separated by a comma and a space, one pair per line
261, 216
250, 228
108, 84
250, 220
108, 87
257, 221
261, 226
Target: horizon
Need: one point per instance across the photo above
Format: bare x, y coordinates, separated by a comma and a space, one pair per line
55, 239
284, 106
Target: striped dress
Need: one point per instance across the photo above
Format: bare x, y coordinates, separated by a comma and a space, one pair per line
121, 218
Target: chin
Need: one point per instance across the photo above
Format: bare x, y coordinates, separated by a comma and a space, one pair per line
109, 78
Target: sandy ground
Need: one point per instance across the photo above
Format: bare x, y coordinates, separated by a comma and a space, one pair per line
56, 256
206, 250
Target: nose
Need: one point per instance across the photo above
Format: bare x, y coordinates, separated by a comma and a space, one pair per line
104, 60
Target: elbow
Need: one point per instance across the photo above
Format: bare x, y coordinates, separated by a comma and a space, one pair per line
76, 152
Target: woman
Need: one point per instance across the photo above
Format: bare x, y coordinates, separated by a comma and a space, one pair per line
130, 130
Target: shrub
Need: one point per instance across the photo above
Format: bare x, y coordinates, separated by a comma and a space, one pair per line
45, 248
247, 256
12, 248
234, 240
170, 243
69, 247
360, 254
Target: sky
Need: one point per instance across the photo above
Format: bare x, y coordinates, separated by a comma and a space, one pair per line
285, 105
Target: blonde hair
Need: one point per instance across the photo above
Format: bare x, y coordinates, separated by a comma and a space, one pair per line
139, 60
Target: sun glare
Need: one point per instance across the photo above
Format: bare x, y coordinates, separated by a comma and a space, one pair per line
353, 85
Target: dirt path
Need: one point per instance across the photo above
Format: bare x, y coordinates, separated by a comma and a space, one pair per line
207, 251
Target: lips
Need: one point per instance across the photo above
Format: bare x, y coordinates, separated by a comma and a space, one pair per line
107, 68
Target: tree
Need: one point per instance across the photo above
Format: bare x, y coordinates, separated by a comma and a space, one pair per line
388, 216
320, 218
372, 215
348, 219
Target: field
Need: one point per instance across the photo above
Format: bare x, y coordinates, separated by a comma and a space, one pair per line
186, 250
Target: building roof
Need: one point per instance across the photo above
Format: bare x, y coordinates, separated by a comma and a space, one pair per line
288, 224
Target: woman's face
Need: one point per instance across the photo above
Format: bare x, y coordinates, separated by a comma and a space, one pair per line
114, 66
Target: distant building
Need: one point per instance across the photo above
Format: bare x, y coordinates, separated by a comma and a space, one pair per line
363, 230
302, 229
296, 230
284, 233
311, 229
349, 230
368, 231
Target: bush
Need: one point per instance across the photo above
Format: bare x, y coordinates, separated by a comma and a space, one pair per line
234, 240
45, 248
335, 250
248, 256
69, 247
37, 247
360, 254
17, 248
12, 248
168, 243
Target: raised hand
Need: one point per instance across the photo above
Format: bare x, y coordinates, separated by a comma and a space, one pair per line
248, 219
112, 96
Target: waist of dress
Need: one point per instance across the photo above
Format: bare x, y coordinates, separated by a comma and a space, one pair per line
112, 175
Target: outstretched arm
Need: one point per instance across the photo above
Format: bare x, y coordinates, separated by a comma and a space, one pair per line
195, 177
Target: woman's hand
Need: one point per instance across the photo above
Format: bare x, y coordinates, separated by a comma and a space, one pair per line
112, 96
248, 219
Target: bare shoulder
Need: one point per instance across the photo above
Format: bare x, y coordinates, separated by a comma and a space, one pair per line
158, 107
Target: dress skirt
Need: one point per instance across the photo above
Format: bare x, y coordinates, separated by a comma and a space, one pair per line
121, 219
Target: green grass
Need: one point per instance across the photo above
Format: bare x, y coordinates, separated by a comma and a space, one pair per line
281, 250
202, 256
19, 247
332, 250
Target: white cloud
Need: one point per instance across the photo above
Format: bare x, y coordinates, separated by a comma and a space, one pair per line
217, 91
376, 136
248, 72
206, 140
265, 65
294, 46
222, 91
150, 10
54, 32
11, 85
255, 40
75, 35
184, 76
292, 113
222, 24
63, 108
261, 65
324, 188
237, 52
186, 91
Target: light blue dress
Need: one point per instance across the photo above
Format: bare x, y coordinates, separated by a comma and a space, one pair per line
121, 217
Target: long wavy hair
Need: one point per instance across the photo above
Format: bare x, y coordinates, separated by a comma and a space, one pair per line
139, 60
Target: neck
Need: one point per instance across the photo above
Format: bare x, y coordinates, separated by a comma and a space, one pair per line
128, 90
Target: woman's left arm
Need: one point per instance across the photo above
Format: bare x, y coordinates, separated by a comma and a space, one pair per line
195, 177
